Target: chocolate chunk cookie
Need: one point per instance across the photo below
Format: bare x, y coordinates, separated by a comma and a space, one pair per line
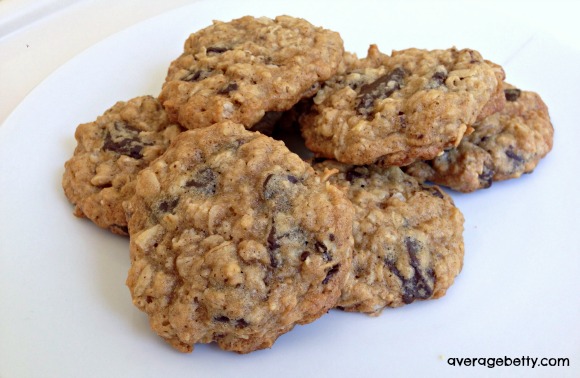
393, 110
235, 240
408, 242
109, 153
239, 70
503, 146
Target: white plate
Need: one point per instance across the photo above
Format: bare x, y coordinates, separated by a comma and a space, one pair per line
65, 310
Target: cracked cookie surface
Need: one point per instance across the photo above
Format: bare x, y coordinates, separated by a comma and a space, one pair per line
503, 146
110, 152
235, 240
408, 237
239, 70
395, 109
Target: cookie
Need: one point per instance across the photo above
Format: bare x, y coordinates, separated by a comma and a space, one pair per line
239, 70
110, 152
408, 237
503, 146
394, 109
235, 240
497, 100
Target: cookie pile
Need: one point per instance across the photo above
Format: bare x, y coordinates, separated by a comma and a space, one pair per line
235, 238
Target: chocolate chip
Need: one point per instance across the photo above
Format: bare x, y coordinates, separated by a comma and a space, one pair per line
217, 50
124, 140
322, 249
241, 323
168, 206
512, 155
222, 319
486, 176
512, 94
421, 284
381, 88
331, 237
204, 181
292, 179
331, 272
412, 245
391, 264
418, 287
273, 246
304, 255
437, 80
402, 117
229, 88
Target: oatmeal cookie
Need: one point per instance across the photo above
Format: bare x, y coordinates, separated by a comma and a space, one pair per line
408, 237
503, 146
239, 70
395, 109
235, 240
109, 153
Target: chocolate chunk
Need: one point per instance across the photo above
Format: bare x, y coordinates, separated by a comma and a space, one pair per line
124, 141
437, 80
512, 155
402, 117
228, 88
273, 246
331, 272
168, 206
241, 323
512, 94
381, 88
322, 249
421, 284
204, 181
222, 319
390, 263
486, 176
412, 245
292, 179
304, 255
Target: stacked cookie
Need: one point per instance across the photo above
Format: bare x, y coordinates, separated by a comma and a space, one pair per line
235, 238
